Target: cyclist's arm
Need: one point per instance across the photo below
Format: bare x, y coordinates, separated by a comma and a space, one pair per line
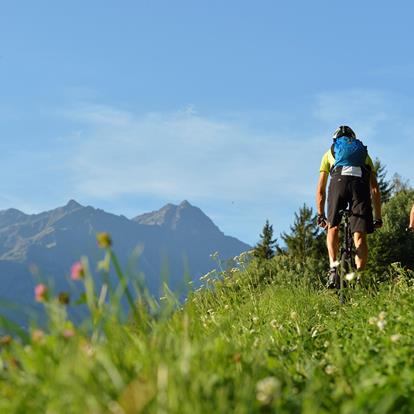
321, 192
376, 196
411, 226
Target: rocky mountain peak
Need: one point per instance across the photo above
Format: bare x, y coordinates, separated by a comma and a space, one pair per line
183, 217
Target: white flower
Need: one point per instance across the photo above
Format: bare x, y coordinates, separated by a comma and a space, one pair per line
330, 369
273, 323
255, 319
381, 316
395, 337
372, 320
267, 390
350, 276
381, 324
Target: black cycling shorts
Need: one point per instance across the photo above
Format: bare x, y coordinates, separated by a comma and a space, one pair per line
356, 192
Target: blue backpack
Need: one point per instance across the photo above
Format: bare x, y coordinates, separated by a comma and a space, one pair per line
349, 152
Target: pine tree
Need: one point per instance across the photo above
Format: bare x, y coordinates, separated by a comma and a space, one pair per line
400, 184
265, 249
386, 187
305, 238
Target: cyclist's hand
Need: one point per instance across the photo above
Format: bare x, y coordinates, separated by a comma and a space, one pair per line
378, 223
321, 220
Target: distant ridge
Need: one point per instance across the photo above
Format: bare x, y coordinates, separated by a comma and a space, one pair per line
179, 236
182, 217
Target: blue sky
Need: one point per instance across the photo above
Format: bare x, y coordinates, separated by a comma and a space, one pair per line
229, 104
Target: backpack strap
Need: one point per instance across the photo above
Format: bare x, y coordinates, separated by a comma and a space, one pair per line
333, 155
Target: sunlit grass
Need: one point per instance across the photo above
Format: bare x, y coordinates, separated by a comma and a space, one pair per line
256, 337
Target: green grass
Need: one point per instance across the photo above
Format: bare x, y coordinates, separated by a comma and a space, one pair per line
261, 339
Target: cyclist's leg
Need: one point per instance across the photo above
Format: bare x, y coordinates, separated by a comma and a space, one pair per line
361, 220
332, 242
361, 246
337, 201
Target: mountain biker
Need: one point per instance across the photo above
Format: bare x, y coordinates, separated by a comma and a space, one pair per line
411, 225
353, 180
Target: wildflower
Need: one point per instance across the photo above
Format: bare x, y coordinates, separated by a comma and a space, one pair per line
38, 335
381, 324
63, 298
255, 319
381, 316
350, 276
273, 324
77, 271
395, 338
41, 293
267, 390
104, 240
330, 369
234, 270
68, 333
372, 320
326, 344
88, 348
226, 307
293, 315
5, 340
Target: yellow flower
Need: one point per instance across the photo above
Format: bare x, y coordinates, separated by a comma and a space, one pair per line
104, 240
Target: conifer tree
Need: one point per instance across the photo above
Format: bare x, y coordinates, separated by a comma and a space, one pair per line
265, 249
305, 238
386, 187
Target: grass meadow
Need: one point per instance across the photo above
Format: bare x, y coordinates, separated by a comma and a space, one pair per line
255, 337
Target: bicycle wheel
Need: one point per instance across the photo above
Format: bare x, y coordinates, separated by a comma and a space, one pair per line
345, 267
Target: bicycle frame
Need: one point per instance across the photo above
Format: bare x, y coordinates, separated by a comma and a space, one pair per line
347, 253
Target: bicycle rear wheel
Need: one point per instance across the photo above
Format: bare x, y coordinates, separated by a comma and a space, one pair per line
345, 267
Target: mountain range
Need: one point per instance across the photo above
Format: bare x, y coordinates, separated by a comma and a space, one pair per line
176, 240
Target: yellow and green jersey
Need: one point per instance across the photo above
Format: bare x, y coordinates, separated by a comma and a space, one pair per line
328, 161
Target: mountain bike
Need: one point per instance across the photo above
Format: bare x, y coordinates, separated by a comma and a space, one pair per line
347, 253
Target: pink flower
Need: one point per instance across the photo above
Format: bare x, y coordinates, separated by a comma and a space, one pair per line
68, 333
77, 271
41, 292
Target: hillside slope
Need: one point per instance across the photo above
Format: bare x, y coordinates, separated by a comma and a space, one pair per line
245, 345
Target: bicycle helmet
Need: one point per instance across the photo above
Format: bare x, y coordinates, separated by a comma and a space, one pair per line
344, 131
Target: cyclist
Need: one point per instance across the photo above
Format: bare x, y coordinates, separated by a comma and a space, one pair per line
353, 180
411, 225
